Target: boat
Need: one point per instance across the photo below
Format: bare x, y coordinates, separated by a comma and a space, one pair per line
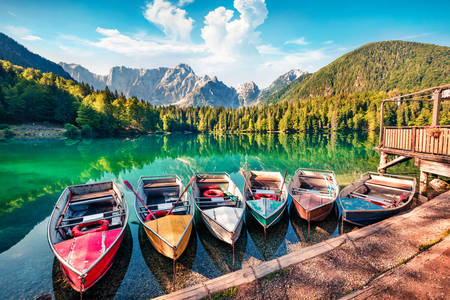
169, 225
375, 197
220, 204
86, 229
314, 193
266, 196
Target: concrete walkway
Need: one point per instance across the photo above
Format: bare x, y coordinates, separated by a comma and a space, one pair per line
378, 261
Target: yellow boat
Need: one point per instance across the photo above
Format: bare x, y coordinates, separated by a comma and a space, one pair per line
169, 234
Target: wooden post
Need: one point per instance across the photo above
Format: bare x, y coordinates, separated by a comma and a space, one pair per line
423, 182
413, 139
381, 143
383, 162
436, 106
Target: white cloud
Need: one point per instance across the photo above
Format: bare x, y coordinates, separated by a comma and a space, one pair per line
300, 41
171, 19
269, 50
184, 2
31, 37
22, 33
229, 39
328, 42
12, 14
114, 41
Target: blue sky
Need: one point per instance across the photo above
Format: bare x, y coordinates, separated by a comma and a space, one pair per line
237, 41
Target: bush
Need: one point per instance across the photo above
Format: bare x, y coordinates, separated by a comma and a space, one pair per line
3, 126
86, 131
72, 131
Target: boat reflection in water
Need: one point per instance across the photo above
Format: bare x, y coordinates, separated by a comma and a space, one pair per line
319, 231
269, 243
107, 286
162, 267
224, 258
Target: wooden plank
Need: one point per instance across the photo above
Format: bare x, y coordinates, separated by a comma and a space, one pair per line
397, 185
413, 139
431, 157
89, 196
437, 168
160, 184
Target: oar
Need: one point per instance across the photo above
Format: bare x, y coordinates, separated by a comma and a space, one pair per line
190, 182
137, 196
61, 217
376, 202
246, 184
282, 185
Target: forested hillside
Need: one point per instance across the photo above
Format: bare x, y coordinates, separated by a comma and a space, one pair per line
376, 67
28, 95
17, 54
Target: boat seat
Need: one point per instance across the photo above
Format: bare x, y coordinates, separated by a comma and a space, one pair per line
114, 215
91, 196
160, 185
398, 185
212, 180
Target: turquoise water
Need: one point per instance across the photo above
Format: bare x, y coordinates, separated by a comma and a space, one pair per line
33, 174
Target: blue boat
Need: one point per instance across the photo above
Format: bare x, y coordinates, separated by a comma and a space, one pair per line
376, 197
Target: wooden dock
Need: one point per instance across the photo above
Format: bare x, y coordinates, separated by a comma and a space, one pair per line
429, 146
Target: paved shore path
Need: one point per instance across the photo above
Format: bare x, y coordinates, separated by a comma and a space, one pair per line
404, 257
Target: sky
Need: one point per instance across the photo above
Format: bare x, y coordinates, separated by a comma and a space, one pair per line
237, 41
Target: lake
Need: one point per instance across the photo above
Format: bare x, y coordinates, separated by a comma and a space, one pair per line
34, 173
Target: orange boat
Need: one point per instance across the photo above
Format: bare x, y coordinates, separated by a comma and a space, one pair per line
168, 233
85, 231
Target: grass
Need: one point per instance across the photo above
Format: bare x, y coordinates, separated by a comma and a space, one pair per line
225, 294
274, 275
426, 246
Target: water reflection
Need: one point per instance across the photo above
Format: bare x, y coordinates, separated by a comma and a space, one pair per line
224, 258
269, 243
33, 174
319, 231
107, 286
162, 267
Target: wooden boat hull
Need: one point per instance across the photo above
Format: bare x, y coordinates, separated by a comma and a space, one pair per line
364, 218
364, 212
267, 221
81, 284
268, 208
85, 258
170, 235
315, 214
314, 193
218, 231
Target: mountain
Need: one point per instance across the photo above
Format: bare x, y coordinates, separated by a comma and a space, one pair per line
160, 86
250, 94
211, 92
381, 66
17, 54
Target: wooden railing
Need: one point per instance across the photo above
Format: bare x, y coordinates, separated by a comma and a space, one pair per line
430, 140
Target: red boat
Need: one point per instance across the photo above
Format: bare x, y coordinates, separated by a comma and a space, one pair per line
86, 229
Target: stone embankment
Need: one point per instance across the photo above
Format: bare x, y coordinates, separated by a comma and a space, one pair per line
406, 256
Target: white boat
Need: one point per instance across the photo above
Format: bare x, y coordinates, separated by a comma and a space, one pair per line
220, 204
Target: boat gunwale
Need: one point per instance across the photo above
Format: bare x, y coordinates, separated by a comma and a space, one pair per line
188, 195
333, 199
361, 182
240, 197
283, 203
124, 225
